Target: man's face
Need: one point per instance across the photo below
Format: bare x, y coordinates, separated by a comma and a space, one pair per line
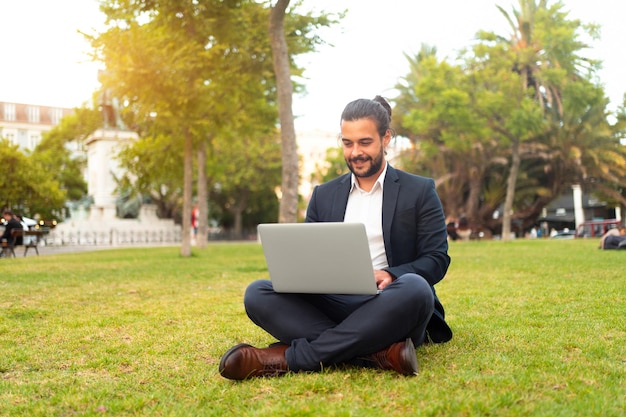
363, 148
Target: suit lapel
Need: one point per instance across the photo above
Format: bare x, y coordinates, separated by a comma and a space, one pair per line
340, 202
391, 191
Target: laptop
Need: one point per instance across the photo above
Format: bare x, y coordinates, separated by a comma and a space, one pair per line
318, 258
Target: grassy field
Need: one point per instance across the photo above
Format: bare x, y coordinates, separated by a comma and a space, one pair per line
539, 331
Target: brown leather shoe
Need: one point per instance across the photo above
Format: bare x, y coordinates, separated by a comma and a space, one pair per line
399, 357
244, 361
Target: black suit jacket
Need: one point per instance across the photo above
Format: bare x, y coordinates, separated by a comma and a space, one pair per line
414, 230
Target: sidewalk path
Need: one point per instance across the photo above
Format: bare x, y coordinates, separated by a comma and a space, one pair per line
59, 249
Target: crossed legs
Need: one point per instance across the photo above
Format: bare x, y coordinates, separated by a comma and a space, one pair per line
325, 329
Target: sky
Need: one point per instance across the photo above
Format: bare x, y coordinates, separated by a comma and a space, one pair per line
45, 59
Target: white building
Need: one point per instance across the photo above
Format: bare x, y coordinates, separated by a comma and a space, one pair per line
24, 124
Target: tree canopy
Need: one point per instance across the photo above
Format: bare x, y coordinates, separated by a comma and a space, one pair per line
28, 187
190, 79
514, 122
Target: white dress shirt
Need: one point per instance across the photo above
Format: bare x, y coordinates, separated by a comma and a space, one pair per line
367, 208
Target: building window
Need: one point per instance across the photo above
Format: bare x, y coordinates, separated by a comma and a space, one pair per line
10, 136
22, 138
34, 140
9, 112
56, 115
33, 114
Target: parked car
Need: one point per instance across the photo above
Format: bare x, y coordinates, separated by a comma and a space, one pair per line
564, 234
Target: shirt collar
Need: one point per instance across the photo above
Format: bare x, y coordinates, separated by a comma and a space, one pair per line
379, 181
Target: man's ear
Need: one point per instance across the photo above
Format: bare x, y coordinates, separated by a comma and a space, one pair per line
387, 138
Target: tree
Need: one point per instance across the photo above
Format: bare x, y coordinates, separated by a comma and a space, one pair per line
170, 69
282, 69
544, 47
27, 186
513, 122
182, 67
54, 155
584, 148
248, 172
154, 169
502, 99
284, 47
451, 144
203, 196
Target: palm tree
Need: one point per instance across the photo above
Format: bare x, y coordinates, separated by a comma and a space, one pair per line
584, 148
544, 47
450, 144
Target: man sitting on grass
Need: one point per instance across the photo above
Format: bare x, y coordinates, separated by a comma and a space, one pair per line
408, 243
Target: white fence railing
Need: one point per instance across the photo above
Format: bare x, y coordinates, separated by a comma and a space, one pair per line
112, 237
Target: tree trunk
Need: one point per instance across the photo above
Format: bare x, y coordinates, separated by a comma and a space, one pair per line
510, 190
185, 246
237, 211
289, 188
238, 223
203, 200
473, 199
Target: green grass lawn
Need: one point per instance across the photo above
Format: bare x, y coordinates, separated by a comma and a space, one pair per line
539, 330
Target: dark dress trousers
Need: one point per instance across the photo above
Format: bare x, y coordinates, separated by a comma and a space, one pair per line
331, 328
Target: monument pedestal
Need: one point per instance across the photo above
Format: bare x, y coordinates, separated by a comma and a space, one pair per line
148, 213
101, 213
103, 146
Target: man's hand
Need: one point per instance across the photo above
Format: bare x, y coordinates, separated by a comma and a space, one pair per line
383, 278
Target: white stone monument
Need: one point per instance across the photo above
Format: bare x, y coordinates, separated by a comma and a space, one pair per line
103, 167
102, 226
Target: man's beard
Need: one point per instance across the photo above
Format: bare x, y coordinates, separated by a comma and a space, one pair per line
375, 165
